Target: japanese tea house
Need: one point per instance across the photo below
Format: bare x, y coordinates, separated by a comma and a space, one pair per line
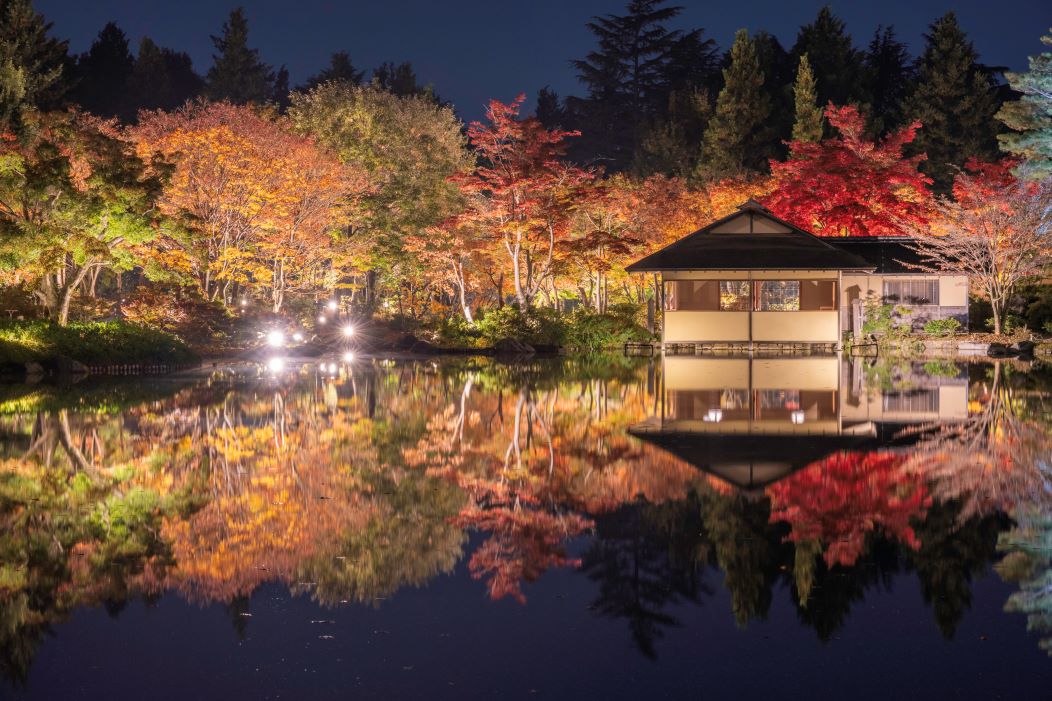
752, 279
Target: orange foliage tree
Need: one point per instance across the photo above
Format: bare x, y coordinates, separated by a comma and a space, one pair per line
261, 201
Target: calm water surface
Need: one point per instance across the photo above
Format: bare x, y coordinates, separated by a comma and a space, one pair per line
592, 528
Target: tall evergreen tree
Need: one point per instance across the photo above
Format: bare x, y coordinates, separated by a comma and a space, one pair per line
637, 62
238, 74
400, 79
1030, 118
887, 77
734, 140
102, 74
778, 73
279, 94
954, 102
549, 110
161, 79
340, 68
836, 64
671, 145
33, 66
808, 115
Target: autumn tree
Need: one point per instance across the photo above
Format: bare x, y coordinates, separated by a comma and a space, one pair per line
522, 195
407, 148
74, 199
996, 229
261, 201
848, 185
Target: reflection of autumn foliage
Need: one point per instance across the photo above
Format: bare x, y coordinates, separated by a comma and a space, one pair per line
993, 461
532, 463
840, 500
524, 541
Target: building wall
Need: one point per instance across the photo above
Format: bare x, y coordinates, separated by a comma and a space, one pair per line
717, 326
953, 297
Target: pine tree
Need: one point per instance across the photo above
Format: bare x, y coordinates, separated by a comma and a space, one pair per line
671, 145
734, 141
279, 94
340, 68
888, 76
637, 63
835, 62
808, 125
1030, 118
238, 74
954, 102
161, 79
778, 73
33, 66
103, 73
549, 110
400, 79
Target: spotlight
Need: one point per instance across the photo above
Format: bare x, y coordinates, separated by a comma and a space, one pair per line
321, 319
348, 357
276, 365
348, 331
297, 337
332, 305
275, 339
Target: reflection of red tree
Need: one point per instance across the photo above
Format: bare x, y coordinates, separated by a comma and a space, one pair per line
837, 501
524, 541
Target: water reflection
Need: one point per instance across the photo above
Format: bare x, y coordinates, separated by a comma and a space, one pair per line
661, 482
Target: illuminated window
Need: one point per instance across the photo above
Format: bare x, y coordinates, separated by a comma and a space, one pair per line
778, 296
912, 291
734, 296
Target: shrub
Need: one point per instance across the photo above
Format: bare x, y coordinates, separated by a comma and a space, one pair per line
942, 327
540, 326
589, 330
1009, 324
92, 343
880, 319
941, 368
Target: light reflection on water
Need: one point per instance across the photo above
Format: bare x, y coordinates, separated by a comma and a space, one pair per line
804, 481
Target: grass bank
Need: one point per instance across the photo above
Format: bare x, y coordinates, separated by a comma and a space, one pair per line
99, 343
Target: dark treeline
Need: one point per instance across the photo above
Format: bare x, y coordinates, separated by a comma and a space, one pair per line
655, 99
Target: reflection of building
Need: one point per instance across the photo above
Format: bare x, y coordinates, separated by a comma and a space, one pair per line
754, 279
753, 421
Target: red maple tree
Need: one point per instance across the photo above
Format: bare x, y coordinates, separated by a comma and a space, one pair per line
849, 185
522, 195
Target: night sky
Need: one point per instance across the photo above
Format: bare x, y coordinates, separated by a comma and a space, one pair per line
472, 51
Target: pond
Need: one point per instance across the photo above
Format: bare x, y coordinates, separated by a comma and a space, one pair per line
596, 527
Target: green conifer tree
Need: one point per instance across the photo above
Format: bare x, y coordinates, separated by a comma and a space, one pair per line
33, 66
1030, 118
808, 125
238, 74
734, 140
954, 102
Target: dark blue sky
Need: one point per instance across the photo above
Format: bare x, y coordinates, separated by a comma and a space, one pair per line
472, 51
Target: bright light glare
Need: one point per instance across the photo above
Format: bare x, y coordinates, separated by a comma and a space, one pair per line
297, 337
348, 331
332, 305
321, 319
275, 339
797, 417
276, 364
714, 415
348, 357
